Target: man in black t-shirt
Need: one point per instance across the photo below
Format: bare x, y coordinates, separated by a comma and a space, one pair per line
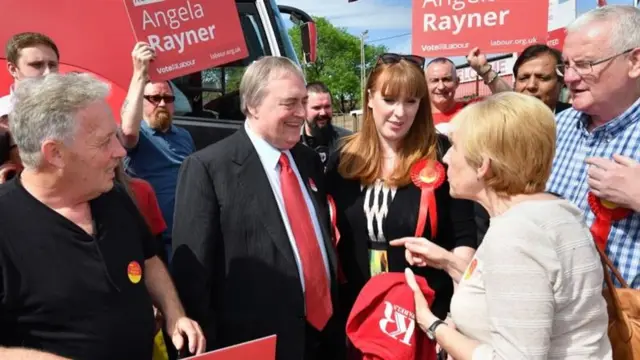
318, 132
78, 269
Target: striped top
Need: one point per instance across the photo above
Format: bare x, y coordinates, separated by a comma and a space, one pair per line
534, 288
568, 178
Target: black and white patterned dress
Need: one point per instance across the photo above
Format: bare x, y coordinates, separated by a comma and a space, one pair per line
371, 216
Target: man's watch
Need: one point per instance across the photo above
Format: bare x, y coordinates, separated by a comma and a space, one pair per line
431, 331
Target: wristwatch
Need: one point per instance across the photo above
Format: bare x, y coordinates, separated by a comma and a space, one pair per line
431, 331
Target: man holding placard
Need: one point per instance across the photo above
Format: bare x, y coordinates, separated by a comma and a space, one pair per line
155, 147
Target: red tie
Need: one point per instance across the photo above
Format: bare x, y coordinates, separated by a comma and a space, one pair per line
316, 296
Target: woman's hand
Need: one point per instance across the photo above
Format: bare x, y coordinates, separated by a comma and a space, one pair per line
422, 252
424, 316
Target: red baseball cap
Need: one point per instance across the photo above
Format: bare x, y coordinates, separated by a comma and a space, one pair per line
382, 322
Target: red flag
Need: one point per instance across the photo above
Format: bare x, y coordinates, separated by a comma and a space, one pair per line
602, 3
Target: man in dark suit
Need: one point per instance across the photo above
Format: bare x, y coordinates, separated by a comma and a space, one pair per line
252, 250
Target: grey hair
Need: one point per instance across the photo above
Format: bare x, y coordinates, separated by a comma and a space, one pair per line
259, 74
625, 22
444, 60
45, 108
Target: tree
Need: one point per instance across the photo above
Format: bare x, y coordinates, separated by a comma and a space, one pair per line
338, 62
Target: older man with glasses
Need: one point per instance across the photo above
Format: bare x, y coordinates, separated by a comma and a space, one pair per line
598, 142
155, 147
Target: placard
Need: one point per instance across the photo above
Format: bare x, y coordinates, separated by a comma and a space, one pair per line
259, 349
187, 35
556, 38
454, 27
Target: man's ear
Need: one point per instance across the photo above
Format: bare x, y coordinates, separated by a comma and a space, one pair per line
253, 111
634, 58
53, 153
13, 70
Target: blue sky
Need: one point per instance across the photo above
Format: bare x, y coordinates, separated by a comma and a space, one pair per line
388, 21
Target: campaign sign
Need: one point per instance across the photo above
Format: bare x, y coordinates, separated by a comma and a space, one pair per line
454, 27
187, 35
260, 349
556, 38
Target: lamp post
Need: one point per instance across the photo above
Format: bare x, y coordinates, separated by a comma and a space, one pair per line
362, 66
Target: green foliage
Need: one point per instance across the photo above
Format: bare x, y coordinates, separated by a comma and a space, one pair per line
338, 63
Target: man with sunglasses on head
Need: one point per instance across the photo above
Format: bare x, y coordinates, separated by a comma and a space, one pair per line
596, 165
155, 147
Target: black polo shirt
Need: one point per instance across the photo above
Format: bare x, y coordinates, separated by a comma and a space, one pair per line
66, 292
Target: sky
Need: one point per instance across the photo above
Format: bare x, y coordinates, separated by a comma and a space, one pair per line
388, 21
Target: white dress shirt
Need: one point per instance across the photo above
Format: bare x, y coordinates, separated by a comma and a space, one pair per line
6, 103
269, 157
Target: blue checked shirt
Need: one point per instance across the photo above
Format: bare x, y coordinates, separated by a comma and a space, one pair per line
574, 144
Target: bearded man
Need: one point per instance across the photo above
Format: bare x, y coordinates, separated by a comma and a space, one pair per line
155, 147
318, 133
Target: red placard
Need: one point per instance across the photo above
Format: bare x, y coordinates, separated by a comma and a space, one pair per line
260, 349
556, 38
187, 35
454, 27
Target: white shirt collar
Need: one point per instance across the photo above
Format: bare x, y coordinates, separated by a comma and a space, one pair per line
268, 154
6, 104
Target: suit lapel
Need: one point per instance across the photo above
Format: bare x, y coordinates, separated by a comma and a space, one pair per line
253, 180
318, 198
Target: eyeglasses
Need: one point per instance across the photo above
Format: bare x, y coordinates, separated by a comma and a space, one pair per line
586, 67
156, 99
392, 58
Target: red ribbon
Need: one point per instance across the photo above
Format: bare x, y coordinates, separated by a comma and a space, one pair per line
333, 214
427, 175
606, 212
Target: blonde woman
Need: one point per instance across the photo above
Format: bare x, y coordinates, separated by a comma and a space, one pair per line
534, 287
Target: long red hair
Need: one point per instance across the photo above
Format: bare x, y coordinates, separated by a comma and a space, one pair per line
361, 155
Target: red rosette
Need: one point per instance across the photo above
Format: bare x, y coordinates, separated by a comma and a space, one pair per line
607, 209
427, 174
606, 212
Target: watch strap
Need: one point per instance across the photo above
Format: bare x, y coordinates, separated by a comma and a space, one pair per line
431, 332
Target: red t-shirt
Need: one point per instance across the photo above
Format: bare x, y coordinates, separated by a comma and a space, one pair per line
445, 117
441, 120
148, 204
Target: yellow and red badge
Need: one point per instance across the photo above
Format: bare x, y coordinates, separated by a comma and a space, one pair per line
606, 213
427, 175
134, 271
471, 269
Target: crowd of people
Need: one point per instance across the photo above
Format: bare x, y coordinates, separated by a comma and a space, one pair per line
498, 211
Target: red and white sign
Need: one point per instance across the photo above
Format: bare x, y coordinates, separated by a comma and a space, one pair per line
556, 38
454, 27
260, 349
502, 67
187, 35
